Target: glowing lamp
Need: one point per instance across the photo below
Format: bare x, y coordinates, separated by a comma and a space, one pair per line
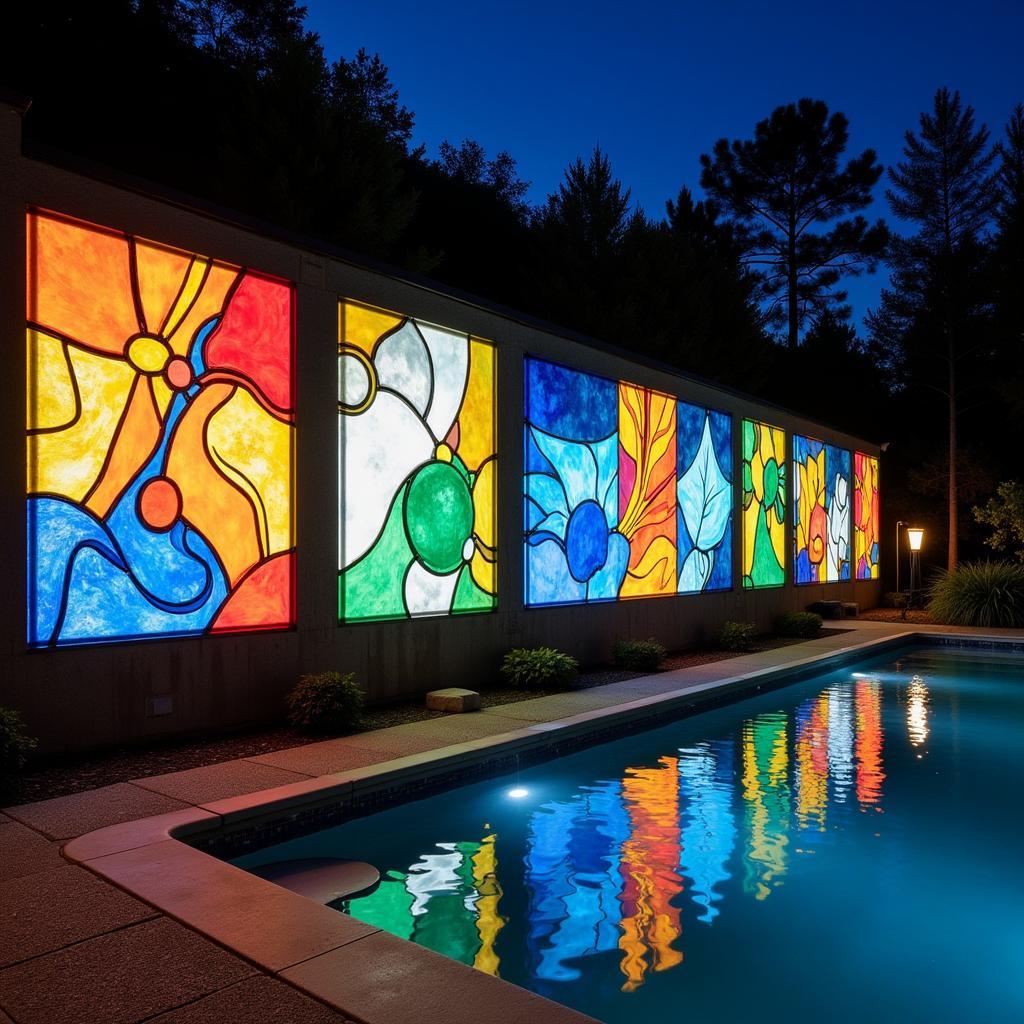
915, 537
518, 793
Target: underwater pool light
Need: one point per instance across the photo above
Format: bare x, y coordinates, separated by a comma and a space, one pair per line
518, 793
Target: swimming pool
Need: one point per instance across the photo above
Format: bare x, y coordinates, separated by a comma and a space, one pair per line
846, 847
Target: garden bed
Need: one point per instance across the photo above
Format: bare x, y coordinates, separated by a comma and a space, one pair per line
60, 776
914, 616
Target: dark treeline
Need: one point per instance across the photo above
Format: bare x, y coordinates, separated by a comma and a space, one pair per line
236, 102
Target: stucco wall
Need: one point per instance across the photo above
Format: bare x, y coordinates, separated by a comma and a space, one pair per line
88, 696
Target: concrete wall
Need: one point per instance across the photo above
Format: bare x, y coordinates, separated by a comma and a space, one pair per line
88, 696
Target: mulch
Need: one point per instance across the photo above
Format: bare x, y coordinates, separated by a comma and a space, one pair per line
915, 616
61, 776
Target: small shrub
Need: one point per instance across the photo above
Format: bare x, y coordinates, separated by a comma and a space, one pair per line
804, 625
735, 636
989, 594
645, 655
538, 668
895, 599
326, 702
15, 743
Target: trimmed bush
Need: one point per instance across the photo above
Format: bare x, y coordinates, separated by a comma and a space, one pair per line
15, 743
646, 655
895, 599
804, 625
989, 594
538, 668
326, 702
735, 636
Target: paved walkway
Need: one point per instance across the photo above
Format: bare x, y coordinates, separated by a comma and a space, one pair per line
76, 949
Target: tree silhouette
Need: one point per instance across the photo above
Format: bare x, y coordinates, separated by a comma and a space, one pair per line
468, 163
934, 317
1008, 261
791, 202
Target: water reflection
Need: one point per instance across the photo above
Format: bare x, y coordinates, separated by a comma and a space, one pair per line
917, 711
446, 901
766, 802
651, 879
610, 869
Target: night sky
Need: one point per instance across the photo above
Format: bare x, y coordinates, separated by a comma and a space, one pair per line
657, 83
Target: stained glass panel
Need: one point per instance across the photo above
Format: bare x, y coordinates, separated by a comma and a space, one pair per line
418, 474
821, 511
705, 499
764, 505
628, 492
865, 515
160, 440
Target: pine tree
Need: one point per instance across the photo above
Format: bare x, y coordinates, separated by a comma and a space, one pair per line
792, 203
934, 318
1008, 261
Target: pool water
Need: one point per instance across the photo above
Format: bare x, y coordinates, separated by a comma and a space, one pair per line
848, 847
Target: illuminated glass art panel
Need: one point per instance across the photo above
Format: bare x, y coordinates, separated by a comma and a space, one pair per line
764, 505
160, 440
821, 511
418, 473
865, 516
705, 493
647, 490
600, 488
628, 492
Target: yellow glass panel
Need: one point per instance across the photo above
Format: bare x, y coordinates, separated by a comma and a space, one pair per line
160, 272
476, 420
51, 401
68, 462
361, 326
254, 450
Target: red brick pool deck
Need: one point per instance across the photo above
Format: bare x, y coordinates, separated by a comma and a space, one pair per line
105, 917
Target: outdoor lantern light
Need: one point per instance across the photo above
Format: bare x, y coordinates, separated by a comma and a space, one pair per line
915, 538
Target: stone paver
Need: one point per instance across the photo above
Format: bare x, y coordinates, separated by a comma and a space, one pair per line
419, 737
324, 758
119, 978
24, 851
218, 781
259, 1000
65, 817
459, 728
51, 909
290, 928
563, 705
382, 980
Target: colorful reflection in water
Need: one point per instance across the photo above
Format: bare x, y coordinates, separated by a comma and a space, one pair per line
793, 846
608, 871
448, 901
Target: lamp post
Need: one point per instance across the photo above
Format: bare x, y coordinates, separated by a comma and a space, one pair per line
915, 537
899, 523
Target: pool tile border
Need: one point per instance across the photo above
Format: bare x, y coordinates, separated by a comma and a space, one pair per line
316, 948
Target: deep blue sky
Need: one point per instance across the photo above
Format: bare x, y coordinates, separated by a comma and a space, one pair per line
657, 83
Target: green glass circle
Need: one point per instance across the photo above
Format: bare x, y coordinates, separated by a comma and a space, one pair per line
771, 482
439, 516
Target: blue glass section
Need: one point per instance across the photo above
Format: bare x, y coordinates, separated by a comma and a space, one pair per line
548, 579
86, 588
704, 510
570, 404
586, 540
